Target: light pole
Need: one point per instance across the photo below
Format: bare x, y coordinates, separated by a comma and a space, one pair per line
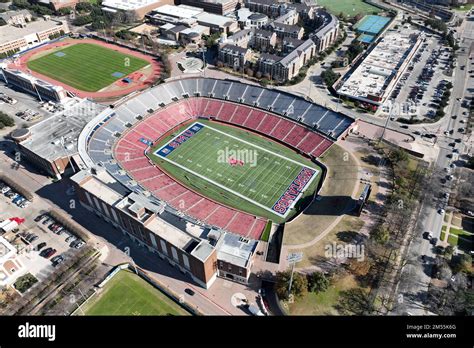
293, 258
103, 29
203, 51
386, 122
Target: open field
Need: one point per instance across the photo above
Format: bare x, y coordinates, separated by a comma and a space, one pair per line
323, 303
128, 294
85, 66
237, 168
348, 7
316, 252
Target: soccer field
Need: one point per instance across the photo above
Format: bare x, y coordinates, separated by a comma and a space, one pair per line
87, 67
238, 168
348, 7
128, 294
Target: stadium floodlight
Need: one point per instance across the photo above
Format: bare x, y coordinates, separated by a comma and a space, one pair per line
293, 258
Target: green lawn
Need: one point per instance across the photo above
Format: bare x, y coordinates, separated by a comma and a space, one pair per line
443, 235
323, 303
463, 8
128, 294
348, 7
459, 232
266, 232
87, 67
268, 169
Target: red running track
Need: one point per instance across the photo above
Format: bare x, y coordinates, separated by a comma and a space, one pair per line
21, 64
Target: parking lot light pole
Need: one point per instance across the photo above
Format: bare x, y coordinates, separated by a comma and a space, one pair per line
386, 122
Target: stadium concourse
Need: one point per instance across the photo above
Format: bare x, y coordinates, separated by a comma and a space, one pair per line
117, 139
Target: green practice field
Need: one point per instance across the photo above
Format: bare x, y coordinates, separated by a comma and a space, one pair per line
262, 172
87, 67
348, 7
128, 294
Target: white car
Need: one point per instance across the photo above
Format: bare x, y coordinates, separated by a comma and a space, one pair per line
441, 211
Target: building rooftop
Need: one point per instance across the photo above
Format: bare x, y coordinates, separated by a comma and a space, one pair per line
56, 137
371, 77
270, 57
202, 250
168, 232
214, 19
197, 29
9, 33
9, 14
243, 14
236, 249
257, 16
181, 11
263, 32
287, 28
129, 4
6, 250
329, 23
234, 48
100, 190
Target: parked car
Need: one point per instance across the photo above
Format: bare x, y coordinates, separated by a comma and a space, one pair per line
50, 253
57, 260
45, 252
40, 246
189, 291
79, 244
39, 218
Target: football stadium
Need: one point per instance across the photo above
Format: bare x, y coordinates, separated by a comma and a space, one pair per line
178, 143
90, 68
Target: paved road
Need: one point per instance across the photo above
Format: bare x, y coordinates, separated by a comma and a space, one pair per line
415, 278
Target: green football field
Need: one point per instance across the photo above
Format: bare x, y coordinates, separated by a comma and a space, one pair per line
237, 168
348, 7
128, 294
87, 67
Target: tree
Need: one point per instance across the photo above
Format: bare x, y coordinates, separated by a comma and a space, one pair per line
380, 234
6, 121
470, 162
329, 77
82, 20
317, 282
398, 155
355, 301
211, 40
82, 7
461, 263
299, 285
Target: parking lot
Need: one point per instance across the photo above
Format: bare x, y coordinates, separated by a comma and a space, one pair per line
24, 108
42, 242
421, 87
